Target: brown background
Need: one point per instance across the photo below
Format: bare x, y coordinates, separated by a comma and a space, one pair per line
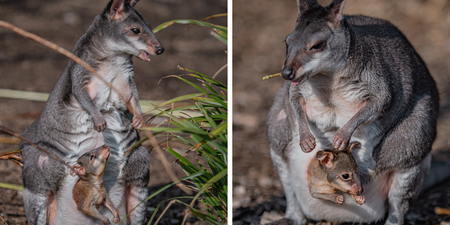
28, 66
259, 31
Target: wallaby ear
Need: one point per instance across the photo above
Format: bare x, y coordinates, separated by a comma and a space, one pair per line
325, 158
353, 146
132, 2
305, 5
77, 169
116, 9
336, 7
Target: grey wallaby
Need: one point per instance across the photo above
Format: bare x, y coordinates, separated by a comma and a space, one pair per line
83, 113
352, 78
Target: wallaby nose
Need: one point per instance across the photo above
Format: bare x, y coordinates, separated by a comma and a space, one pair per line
159, 50
288, 73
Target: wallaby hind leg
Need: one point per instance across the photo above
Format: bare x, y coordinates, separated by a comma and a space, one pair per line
405, 186
293, 209
36, 205
136, 174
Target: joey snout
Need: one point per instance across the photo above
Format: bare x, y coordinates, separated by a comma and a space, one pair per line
355, 189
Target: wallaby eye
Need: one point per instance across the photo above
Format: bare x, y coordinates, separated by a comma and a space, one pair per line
317, 46
91, 158
135, 30
345, 176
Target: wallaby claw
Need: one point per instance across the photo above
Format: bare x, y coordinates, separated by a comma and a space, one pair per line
137, 122
340, 199
307, 142
341, 139
116, 219
99, 124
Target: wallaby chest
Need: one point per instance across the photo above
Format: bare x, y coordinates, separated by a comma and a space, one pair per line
331, 102
118, 73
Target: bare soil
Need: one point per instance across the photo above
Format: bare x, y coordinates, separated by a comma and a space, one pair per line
28, 66
260, 28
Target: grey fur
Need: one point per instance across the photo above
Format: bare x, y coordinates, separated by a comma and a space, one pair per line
370, 59
69, 122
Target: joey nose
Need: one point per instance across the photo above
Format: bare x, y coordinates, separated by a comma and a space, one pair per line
288, 73
159, 50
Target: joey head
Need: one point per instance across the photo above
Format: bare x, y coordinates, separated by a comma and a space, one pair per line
333, 171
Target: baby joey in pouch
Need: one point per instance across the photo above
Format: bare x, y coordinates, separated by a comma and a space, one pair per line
89, 192
334, 170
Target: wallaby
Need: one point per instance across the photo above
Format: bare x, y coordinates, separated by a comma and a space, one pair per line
89, 192
83, 113
352, 78
335, 170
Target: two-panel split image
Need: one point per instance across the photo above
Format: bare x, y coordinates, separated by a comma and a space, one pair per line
312, 112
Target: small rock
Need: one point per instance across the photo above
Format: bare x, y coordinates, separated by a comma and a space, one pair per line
445, 223
265, 182
269, 217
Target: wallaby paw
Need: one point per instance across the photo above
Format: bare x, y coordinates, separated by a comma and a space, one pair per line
359, 199
106, 222
116, 219
100, 125
137, 122
341, 139
339, 199
307, 142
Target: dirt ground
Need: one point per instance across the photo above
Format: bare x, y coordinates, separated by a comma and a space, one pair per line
28, 66
258, 50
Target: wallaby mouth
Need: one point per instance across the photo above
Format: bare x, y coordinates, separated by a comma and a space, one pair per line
144, 56
299, 80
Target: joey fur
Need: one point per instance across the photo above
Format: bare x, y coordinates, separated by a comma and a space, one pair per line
348, 79
335, 170
83, 113
89, 192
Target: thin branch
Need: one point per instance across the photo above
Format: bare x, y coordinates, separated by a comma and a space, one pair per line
3, 220
220, 70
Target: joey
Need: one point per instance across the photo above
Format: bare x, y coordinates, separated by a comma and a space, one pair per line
89, 192
334, 170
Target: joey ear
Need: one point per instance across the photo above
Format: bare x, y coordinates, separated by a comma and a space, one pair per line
305, 5
77, 169
325, 158
116, 9
353, 146
132, 2
335, 8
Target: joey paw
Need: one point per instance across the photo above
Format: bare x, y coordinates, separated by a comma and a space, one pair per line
359, 199
106, 222
99, 124
340, 199
137, 122
307, 142
341, 139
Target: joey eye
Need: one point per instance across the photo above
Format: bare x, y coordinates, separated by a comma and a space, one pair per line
135, 30
317, 46
345, 176
91, 158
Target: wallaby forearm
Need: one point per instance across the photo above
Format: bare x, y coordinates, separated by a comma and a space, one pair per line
307, 140
83, 97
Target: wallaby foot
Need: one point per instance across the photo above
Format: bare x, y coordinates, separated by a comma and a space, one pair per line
307, 141
359, 199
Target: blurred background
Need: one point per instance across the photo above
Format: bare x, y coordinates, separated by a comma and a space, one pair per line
28, 66
260, 28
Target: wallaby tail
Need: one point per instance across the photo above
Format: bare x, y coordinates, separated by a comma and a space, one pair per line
439, 170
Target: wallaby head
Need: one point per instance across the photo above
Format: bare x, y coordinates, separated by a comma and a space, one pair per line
92, 163
341, 169
127, 31
318, 44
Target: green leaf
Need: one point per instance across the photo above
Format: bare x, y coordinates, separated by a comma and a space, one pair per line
184, 21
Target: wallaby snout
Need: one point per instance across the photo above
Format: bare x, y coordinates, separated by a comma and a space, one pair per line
287, 72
